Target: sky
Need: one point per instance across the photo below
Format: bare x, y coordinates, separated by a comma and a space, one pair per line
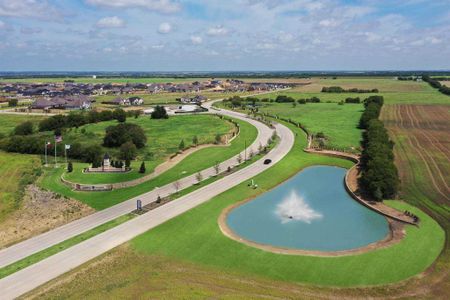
224, 35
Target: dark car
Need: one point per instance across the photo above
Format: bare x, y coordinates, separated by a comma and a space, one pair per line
267, 161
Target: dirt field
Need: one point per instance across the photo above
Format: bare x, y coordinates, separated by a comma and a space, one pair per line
40, 211
421, 133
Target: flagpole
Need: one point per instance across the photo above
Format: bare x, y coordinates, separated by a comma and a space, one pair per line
65, 153
56, 164
46, 161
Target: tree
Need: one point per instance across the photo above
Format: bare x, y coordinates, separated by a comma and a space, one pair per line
69, 167
93, 154
116, 136
181, 146
120, 115
251, 154
199, 177
128, 151
127, 163
142, 168
239, 158
13, 102
218, 139
24, 128
260, 148
159, 113
177, 185
217, 168
195, 140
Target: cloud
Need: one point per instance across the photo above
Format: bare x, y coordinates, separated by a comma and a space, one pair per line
30, 30
217, 31
164, 28
29, 9
2, 25
196, 40
110, 22
163, 6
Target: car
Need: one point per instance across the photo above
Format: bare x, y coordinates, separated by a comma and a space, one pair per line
267, 161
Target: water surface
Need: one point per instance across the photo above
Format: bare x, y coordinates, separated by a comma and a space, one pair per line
311, 211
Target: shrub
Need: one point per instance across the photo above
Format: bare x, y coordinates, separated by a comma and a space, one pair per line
142, 168
13, 102
128, 151
69, 167
159, 113
25, 128
120, 115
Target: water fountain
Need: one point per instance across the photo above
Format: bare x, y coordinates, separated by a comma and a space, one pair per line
295, 208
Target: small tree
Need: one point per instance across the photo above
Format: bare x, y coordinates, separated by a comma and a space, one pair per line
177, 185
120, 115
142, 168
218, 138
159, 113
128, 151
260, 148
199, 177
251, 154
127, 163
69, 167
239, 158
181, 146
24, 128
274, 135
195, 140
13, 102
217, 168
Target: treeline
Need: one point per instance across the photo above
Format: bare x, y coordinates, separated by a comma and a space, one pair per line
352, 100
338, 89
379, 176
408, 78
237, 101
82, 118
436, 84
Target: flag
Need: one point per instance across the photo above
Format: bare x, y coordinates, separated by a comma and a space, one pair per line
58, 138
67, 147
48, 144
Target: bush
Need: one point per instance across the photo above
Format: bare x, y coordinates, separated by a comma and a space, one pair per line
284, 99
117, 135
69, 167
93, 155
181, 146
128, 151
25, 128
142, 168
159, 113
13, 102
119, 115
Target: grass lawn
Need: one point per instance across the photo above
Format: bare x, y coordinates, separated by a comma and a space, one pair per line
34, 258
15, 171
195, 162
163, 139
195, 237
8, 122
338, 122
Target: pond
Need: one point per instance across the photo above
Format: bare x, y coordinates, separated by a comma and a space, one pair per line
310, 211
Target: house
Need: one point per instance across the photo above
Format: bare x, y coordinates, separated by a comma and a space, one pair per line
118, 101
192, 100
71, 102
136, 100
42, 103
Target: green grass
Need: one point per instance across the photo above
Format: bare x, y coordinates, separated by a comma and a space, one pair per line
195, 162
338, 122
195, 237
16, 171
8, 122
163, 139
41, 255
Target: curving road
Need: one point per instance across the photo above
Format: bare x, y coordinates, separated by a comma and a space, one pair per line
58, 264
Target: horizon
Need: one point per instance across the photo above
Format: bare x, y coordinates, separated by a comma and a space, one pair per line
211, 36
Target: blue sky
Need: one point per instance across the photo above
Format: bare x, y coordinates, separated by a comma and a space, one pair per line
213, 35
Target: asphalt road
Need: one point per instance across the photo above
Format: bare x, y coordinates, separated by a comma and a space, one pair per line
45, 270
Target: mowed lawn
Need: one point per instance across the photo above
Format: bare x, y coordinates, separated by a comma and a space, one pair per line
193, 163
14, 170
196, 237
163, 140
339, 123
9, 122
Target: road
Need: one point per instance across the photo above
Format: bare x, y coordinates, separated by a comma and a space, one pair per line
35, 244
26, 279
